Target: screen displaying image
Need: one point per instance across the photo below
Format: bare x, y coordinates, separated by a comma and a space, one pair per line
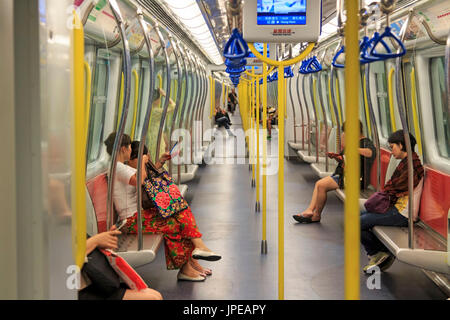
281, 12
259, 46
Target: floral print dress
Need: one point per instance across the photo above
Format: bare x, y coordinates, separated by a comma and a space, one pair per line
178, 230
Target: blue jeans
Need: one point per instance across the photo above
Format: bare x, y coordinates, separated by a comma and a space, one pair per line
369, 220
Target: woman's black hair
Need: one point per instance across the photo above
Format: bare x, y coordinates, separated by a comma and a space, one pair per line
109, 142
360, 127
156, 94
398, 137
135, 149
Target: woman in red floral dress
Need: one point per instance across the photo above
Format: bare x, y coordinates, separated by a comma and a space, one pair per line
183, 243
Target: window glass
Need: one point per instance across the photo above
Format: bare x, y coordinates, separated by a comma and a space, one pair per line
382, 96
98, 108
440, 106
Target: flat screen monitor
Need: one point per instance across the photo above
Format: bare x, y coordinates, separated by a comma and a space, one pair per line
259, 46
282, 21
281, 12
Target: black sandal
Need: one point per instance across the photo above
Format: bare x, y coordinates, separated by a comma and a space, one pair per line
302, 219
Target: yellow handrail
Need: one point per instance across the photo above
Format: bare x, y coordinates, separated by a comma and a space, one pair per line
352, 223
78, 185
264, 191
366, 107
120, 102
281, 63
87, 103
391, 99
136, 99
330, 103
281, 107
338, 98
160, 87
258, 170
414, 110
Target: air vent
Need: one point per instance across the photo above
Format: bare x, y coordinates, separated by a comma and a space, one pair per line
164, 19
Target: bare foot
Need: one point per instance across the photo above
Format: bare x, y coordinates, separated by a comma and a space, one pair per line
194, 263
189, 271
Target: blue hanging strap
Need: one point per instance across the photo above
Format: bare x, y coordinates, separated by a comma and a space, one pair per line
368, 44
383, 56
235, 63
302, 66
288, 72
232, 70
236, 47
334, 63
313, 65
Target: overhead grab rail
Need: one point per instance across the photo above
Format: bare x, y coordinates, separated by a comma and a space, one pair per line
124, 107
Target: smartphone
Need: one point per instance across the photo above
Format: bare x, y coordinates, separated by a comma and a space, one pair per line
175, 151
120, 224
173, 147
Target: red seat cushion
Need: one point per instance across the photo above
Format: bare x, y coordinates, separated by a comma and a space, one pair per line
435, 201
98, 190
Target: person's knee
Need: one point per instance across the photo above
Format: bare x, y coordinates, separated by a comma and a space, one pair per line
151, 294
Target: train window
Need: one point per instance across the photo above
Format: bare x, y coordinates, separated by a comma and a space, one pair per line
98, 108
382, 95
440, 106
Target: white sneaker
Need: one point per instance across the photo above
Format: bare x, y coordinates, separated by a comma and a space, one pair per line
376, 260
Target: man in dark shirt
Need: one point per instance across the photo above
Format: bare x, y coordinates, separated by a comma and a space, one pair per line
367, 153
232, 101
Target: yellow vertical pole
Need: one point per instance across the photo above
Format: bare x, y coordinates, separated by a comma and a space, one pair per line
414, 110
120, 102
78, 185
338, 99
223, 94
87, 103
252, 95
352, 223
391, 99
366, 108
264, 191
258, 171
136, 99
281, 101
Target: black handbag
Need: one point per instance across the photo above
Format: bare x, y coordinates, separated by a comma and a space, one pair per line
103, 276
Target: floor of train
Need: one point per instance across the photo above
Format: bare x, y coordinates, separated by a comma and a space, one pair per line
224, 207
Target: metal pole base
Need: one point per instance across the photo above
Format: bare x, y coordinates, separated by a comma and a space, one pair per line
257, 207
264, 247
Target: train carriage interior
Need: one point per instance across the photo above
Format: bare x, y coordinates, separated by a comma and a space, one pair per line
247, 120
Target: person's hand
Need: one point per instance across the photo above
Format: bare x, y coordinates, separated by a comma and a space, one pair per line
162, 92
164, 157
108, 239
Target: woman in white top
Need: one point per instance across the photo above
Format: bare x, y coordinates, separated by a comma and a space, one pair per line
183, 243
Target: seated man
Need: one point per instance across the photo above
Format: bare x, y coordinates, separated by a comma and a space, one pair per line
222, 119
319, 198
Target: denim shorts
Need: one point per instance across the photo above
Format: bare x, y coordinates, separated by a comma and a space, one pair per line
335, 177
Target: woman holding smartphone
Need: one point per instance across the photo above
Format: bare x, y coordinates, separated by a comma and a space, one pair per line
367, 153
182, 239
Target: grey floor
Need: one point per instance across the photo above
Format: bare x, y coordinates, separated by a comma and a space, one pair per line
223, 203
